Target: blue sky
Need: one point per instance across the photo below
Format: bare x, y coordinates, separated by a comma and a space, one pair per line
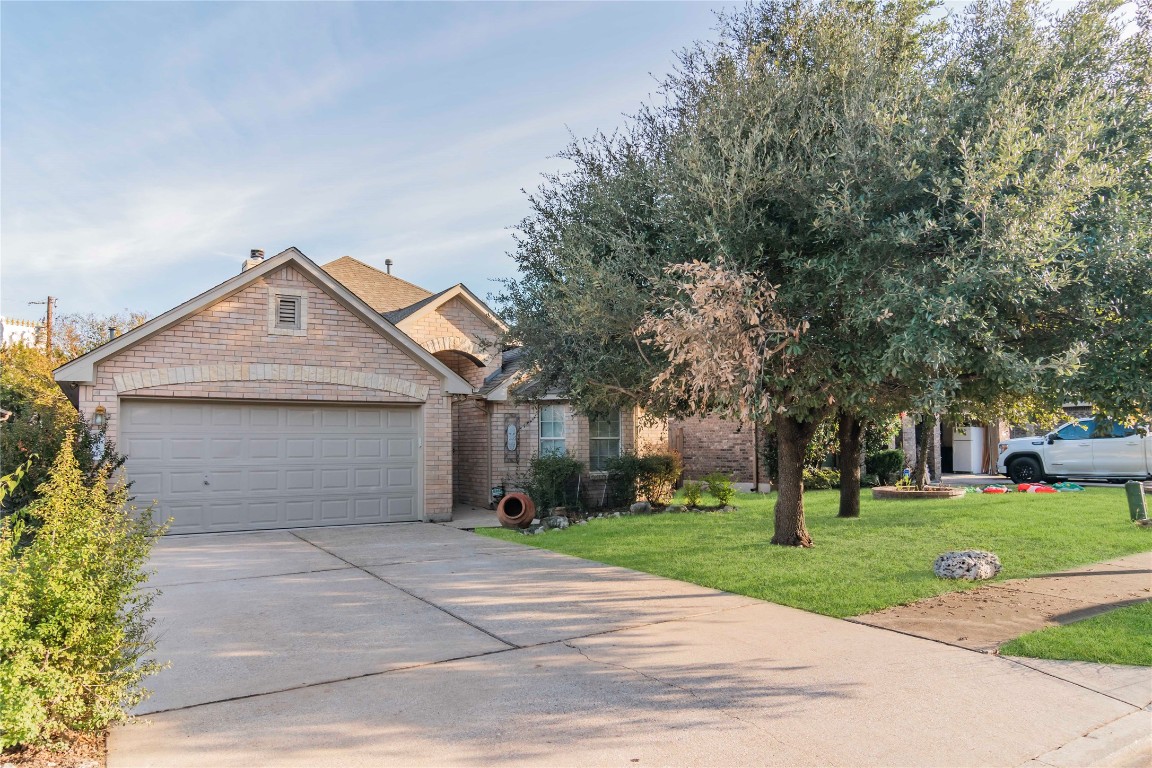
147, 146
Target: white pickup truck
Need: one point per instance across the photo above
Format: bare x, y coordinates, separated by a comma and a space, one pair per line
1079, 450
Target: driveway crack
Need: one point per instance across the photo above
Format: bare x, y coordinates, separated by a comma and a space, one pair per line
383, 580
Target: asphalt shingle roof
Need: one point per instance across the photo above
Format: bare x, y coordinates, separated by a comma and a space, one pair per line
383, 292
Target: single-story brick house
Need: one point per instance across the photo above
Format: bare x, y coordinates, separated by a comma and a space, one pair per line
293, 395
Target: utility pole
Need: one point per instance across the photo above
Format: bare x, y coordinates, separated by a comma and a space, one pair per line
47, 323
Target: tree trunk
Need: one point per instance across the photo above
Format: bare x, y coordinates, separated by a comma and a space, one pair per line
851, 433
793, 437
924, 449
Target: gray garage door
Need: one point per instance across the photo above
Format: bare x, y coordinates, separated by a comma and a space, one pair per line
240, 467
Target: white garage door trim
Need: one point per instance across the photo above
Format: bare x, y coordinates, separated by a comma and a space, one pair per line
227, 465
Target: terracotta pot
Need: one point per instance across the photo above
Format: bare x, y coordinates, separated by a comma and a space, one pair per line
516, 510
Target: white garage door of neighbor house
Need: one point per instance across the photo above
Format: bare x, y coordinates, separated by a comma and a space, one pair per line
241, 467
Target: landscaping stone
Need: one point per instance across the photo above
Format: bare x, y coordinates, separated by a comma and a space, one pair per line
554, 522
676, 508
640, 508
971, 564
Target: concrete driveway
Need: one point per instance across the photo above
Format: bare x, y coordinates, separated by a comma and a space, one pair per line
421, 644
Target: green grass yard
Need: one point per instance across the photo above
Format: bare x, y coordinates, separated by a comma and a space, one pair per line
884, 558
1123, 636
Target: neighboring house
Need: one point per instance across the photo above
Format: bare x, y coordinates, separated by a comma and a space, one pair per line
16, 331
292, 395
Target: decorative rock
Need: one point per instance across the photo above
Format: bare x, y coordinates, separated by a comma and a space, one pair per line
971, 564
640, 508
554, 522
581, 522
675, 508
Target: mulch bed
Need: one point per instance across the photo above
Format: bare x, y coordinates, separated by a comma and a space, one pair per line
83, 750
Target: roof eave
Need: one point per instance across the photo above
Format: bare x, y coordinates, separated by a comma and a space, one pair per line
82, 370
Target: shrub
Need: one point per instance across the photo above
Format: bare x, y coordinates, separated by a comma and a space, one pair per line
886, 465
552, 482
41, 418
821, 478
659, 473
74, 630
652, 477
720, 486
693, 492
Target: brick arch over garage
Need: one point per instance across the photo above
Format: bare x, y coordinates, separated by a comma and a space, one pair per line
461, 344
195, 374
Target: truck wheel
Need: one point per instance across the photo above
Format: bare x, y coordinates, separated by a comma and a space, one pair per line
1025, 470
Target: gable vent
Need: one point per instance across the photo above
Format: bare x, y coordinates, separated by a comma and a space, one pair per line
287, 311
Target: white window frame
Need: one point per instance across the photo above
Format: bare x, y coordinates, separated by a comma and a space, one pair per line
554, 444
301, 297
593, 439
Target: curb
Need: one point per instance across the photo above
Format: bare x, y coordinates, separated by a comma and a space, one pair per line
1123, 743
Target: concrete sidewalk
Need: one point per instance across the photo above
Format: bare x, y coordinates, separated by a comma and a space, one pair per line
424, 645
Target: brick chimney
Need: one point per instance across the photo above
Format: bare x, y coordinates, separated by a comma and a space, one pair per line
255, 259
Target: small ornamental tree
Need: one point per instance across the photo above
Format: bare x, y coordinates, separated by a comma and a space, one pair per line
73, 613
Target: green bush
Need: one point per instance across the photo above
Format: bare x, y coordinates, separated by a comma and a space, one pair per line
693, 492
652, 477
886, 465
659, 473
74, 631
820, 478
720, 486
552, 482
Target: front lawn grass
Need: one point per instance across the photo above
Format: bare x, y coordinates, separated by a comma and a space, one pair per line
1121, 636
881, 559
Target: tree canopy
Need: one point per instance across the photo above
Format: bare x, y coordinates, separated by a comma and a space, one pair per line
856, 208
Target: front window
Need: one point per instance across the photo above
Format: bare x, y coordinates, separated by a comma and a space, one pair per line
1077, 430
552, 430
604, 439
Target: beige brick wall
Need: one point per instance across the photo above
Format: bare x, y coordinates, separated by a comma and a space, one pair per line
235, 331
456, 319
474, 486
713, 444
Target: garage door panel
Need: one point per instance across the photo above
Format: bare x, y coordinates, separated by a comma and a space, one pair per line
401, 449
264, 417
301, 417
187, 417
226, 448
335, 479
264, 513
221, 467
369, 419
231, 481
401, 509
181, 449
264, 448
368, 479
299, 448
145, 448
334, 449
185, 482
226, 416
368, 449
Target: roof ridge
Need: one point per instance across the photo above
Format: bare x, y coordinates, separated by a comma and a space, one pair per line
381, 272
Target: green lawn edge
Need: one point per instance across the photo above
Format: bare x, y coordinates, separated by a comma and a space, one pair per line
1122, 636
857, 566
